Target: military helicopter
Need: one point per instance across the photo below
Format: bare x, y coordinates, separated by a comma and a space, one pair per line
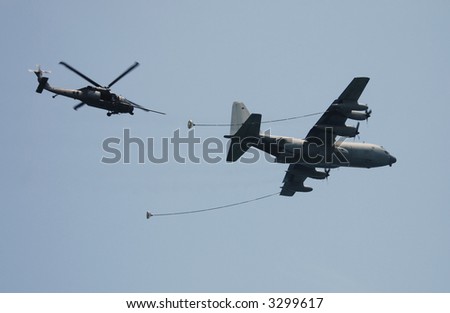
96, 96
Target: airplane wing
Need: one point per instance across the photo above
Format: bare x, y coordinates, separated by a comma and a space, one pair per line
338, 112
294, 179
354, 89
324, 132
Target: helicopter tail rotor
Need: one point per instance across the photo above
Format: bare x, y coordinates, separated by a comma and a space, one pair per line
39, 72
41, 79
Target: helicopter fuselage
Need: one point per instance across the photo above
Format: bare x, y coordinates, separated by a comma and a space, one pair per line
96, 97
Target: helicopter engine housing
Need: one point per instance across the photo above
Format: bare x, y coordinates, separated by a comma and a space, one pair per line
93, 94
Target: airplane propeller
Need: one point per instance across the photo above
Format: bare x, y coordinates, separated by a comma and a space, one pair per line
368, 113
356, 132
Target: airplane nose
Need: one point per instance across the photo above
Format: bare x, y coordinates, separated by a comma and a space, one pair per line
392, 160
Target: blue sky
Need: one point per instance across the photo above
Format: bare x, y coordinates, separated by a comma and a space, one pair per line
70, 223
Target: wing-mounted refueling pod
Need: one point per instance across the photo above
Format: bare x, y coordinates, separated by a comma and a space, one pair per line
311, 172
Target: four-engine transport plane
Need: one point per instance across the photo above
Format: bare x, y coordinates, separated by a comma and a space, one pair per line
319, 149
95, 96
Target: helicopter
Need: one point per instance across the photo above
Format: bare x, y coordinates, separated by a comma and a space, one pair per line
96, 96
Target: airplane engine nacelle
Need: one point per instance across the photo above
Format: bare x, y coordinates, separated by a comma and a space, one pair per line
345, 131
302, 188
358, 116
352, 105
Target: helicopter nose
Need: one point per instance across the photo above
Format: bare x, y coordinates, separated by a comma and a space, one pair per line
392, 160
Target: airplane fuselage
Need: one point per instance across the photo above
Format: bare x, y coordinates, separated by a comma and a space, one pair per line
348, 154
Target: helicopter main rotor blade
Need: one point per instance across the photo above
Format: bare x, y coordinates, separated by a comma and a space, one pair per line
132, 67
79, 105
80, 74
144, 109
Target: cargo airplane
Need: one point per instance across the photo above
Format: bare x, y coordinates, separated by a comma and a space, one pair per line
319, 149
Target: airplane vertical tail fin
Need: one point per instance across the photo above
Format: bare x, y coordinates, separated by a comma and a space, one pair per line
244, 131
239, 114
